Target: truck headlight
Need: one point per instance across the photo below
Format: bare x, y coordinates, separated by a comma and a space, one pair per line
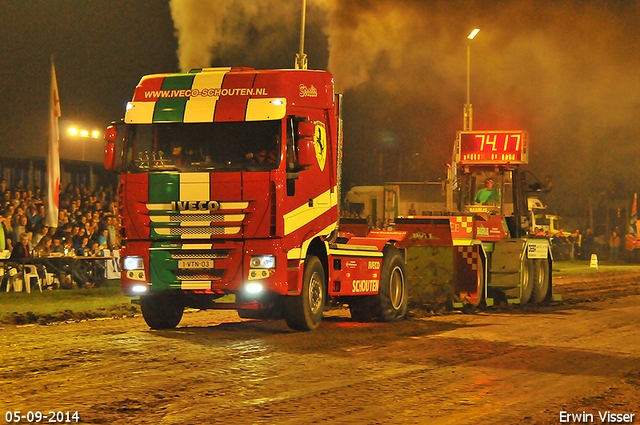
133, 263
254, 288
138, 289
263, 262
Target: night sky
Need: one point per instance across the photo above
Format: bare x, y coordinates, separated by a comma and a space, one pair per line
100, 48
566, 71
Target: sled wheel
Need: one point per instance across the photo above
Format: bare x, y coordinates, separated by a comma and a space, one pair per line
541, 281
478, 298
161, 311
527, 277
304, 311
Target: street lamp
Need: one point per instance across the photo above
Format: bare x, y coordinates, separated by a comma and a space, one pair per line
468, 112
83, 134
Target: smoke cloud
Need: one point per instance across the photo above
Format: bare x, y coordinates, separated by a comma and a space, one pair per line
564, 70
208, 30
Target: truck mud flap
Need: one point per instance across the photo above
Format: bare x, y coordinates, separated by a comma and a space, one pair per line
430, 275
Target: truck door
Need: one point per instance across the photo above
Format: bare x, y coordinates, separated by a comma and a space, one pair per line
311, 199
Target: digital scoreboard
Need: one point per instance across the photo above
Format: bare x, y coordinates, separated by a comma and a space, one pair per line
492, 147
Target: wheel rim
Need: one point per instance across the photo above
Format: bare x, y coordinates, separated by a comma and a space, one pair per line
315, 293
396, 288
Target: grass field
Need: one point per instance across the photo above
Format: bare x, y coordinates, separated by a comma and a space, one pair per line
583, 267
108, 296
57, 300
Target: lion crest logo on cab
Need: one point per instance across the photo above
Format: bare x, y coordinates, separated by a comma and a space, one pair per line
320, 141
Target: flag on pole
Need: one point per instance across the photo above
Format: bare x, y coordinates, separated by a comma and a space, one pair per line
632, 233
53, 157
634, 217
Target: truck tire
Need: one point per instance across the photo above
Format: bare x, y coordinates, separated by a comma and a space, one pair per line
527, 277
161, 311
541, 281
303, 312
392, 298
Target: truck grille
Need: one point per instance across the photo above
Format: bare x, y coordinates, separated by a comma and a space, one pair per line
192, 275
166, 223
198, 255
199, 231
221, 255
198, 217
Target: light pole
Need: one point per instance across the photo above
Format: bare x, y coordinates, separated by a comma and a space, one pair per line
83, 134
301, 58
468, 111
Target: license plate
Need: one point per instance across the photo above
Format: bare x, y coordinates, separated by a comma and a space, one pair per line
195, 264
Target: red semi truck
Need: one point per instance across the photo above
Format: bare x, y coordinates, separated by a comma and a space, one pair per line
229, 198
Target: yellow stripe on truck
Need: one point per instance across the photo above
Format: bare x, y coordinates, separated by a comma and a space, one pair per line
140, 112
305, 214
202, 108
298, 253
194, 186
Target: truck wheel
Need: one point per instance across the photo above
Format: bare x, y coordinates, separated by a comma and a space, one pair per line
541, 281
304, 311
391, 301
527, 277
161, 311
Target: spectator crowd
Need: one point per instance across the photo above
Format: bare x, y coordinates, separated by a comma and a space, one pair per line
86, 223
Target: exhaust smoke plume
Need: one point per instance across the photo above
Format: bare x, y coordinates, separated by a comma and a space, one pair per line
564, 70
212, 29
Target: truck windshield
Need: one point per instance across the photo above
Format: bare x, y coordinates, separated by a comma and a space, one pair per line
218, 146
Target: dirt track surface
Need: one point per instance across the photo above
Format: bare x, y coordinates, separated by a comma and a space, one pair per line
507, 365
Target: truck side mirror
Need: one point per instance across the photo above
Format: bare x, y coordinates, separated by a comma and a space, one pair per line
110, 136
110, 156
306, 130
306, 146
306, 153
